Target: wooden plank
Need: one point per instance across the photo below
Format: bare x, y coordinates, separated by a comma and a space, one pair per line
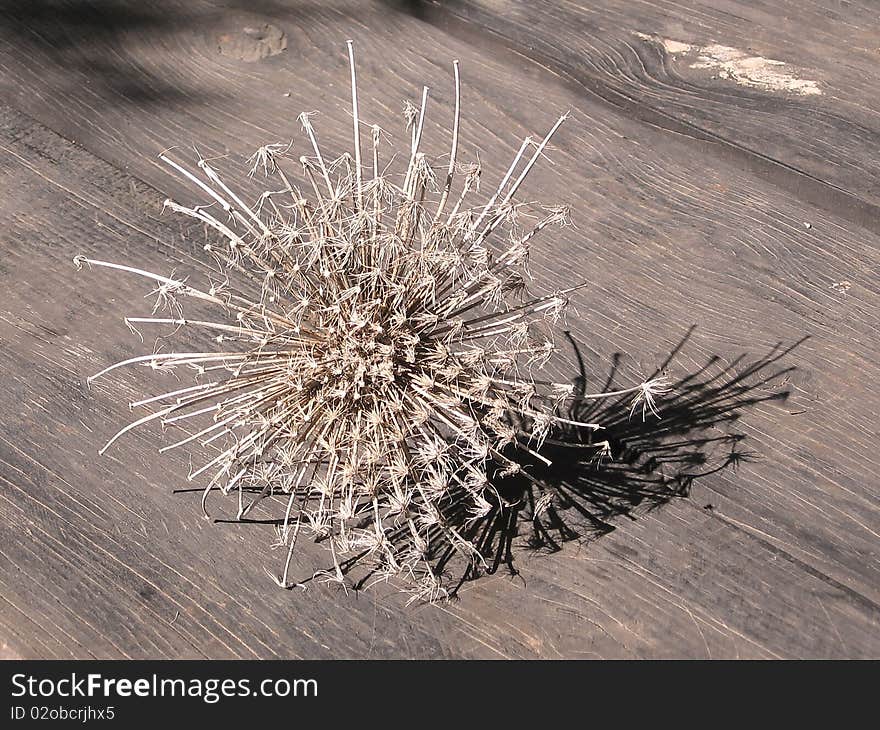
783, 89
784, 564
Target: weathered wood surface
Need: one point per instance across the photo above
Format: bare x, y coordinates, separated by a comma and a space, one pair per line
737, 219
703, 70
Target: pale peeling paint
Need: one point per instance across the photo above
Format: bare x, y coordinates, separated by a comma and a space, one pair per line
670, 46
735, 65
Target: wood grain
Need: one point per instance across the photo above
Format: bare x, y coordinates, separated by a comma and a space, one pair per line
773, 554
814, 146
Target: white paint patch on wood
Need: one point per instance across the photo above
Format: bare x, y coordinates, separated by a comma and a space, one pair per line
730, 63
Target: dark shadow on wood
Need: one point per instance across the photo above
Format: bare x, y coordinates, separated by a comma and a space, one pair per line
80, 39
85, 41
653, 461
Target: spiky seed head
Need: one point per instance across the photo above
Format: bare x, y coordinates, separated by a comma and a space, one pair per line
374, 339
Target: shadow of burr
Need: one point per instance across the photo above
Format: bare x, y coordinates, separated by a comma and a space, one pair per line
580, 497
